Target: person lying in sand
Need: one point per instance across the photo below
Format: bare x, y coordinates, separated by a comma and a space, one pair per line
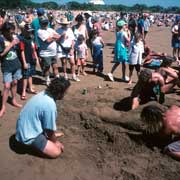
36, 125
147, 85
164, 123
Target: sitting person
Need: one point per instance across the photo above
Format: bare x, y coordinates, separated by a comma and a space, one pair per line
164, 123
148, 83
36, 125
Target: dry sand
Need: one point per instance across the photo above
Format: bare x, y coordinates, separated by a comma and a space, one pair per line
101, 143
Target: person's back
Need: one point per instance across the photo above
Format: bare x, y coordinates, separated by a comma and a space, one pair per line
35, 117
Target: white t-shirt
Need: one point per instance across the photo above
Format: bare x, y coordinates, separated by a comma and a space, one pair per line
97, 41
81, 31
67, 40
81, 50
47, 48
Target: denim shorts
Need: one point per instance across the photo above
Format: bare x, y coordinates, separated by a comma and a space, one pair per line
8, 77
40, 142
29, 72
173, 147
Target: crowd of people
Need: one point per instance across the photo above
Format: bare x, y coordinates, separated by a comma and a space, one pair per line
39, 38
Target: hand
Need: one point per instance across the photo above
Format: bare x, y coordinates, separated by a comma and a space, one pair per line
14, 42
25, 66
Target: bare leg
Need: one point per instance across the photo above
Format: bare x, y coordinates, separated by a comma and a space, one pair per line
114, 67
13, 92
23, 95
130, 76
53, 149
55, 70
4, 98
123, 70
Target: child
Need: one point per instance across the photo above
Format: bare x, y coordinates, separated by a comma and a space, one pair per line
135, 55
122, 40
29, 59
82, 53
10, 64
97, 46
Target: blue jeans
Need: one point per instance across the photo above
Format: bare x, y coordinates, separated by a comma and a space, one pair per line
98, 57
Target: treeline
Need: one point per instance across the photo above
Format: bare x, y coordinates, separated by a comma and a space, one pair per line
73, 5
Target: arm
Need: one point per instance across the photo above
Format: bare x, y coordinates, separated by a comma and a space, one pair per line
25, 66
7, 49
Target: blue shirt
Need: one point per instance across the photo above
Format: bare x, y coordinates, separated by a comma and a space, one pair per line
38, 114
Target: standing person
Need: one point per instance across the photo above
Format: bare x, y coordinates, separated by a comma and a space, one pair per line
48, 48
66, 47
10, 64
36, 125
176, 39
164, 124
82, 54
36, 24
135, 55
132, 25
146, 25
122, 39
97, 47
29, 59
140, 24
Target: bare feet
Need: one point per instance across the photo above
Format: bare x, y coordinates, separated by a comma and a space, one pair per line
2, 112
84, 74
59, 134
130, 82
14, 103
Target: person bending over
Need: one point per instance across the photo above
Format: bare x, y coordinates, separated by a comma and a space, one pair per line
148, 83
36, 125
164, 123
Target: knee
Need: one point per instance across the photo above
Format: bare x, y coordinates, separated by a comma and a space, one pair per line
57, 152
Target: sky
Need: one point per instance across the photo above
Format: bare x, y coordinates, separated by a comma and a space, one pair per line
163, 3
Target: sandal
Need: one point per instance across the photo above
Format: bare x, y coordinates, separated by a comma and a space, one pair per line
23, 97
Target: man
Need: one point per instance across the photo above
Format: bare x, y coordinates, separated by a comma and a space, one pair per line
48, 48
164, 124
148, 83
36, 125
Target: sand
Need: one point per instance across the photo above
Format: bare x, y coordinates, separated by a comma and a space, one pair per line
103, 140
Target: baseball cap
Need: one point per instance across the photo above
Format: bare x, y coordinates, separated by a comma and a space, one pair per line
40, 11
121, 23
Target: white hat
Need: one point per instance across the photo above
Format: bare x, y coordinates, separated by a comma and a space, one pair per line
63, 20
88, 12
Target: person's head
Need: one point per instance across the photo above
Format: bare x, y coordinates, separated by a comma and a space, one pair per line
120, 24
87, 14
79, 19
137, 37
2, 13
8, 30
58, 88
95, 32
63, 22
40, 12
145, 76
28, 31
81, 39
43, 20
152, 116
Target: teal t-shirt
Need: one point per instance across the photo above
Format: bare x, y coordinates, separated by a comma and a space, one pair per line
38, 114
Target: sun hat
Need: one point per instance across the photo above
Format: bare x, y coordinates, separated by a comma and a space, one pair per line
63, 20
88, 12
121, 23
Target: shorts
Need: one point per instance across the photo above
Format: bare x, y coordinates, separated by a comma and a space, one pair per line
63, 54
136, 66
8, 77
48, 61
175, 43
81, 62
173, 147
40, 142
29, 72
